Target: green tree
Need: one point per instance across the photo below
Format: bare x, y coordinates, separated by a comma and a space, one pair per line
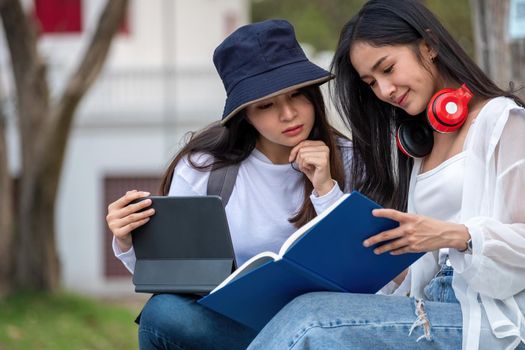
318, 22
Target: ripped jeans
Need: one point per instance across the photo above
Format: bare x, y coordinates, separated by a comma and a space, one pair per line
337, 321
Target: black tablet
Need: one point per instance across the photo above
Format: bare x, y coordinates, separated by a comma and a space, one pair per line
185, 247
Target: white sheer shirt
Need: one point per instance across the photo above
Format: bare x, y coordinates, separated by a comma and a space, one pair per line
493, 210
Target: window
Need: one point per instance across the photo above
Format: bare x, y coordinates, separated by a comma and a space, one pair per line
114, 188
59, 16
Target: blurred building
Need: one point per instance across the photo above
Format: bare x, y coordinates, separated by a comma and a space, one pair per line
158, 83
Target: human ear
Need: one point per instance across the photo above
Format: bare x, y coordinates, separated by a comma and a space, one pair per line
428, 51
429, 46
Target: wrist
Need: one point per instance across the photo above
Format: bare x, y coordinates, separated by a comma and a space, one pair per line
464, 240
324, 188
124, 244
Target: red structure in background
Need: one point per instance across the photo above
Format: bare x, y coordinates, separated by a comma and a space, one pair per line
59, 16
64, 17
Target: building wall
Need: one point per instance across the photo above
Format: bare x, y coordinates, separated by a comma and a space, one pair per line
159, 82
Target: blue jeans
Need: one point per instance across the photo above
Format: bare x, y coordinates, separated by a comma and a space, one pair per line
338, 321
172, 321
440, 287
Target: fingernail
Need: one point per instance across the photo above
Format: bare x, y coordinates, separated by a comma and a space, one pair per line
146, 193
377, 252
366, 244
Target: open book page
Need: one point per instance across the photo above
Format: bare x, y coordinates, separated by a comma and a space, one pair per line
264, 257
251, 264
294, 237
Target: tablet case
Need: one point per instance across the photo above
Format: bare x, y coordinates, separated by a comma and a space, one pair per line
185, 247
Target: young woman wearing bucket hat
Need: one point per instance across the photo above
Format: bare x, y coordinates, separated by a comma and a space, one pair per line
459, 198
274, 116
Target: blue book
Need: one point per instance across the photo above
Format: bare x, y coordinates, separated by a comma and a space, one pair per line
326, 254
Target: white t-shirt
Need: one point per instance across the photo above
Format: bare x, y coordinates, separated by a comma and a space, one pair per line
438, 193
264, 197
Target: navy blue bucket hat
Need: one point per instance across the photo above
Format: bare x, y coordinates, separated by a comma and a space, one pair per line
262, 60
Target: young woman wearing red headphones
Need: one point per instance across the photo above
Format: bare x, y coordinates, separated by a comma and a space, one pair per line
460, 199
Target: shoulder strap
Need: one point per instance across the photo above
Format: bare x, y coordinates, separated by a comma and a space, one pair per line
345, 149
221, 182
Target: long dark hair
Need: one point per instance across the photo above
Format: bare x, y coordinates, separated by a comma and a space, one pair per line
233, 143
379, 170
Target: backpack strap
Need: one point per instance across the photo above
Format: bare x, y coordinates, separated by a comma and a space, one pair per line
222, 181
345, 147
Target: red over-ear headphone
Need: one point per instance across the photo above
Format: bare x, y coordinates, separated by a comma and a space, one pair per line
446, 112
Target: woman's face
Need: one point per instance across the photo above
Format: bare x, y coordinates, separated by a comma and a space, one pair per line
282, 121
395, 74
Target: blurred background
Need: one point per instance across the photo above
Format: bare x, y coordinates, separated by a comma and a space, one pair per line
81, 125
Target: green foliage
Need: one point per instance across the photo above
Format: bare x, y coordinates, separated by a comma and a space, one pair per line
456, 17
62, 321
318, 22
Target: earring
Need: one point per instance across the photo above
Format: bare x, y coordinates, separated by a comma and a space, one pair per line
433, 59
